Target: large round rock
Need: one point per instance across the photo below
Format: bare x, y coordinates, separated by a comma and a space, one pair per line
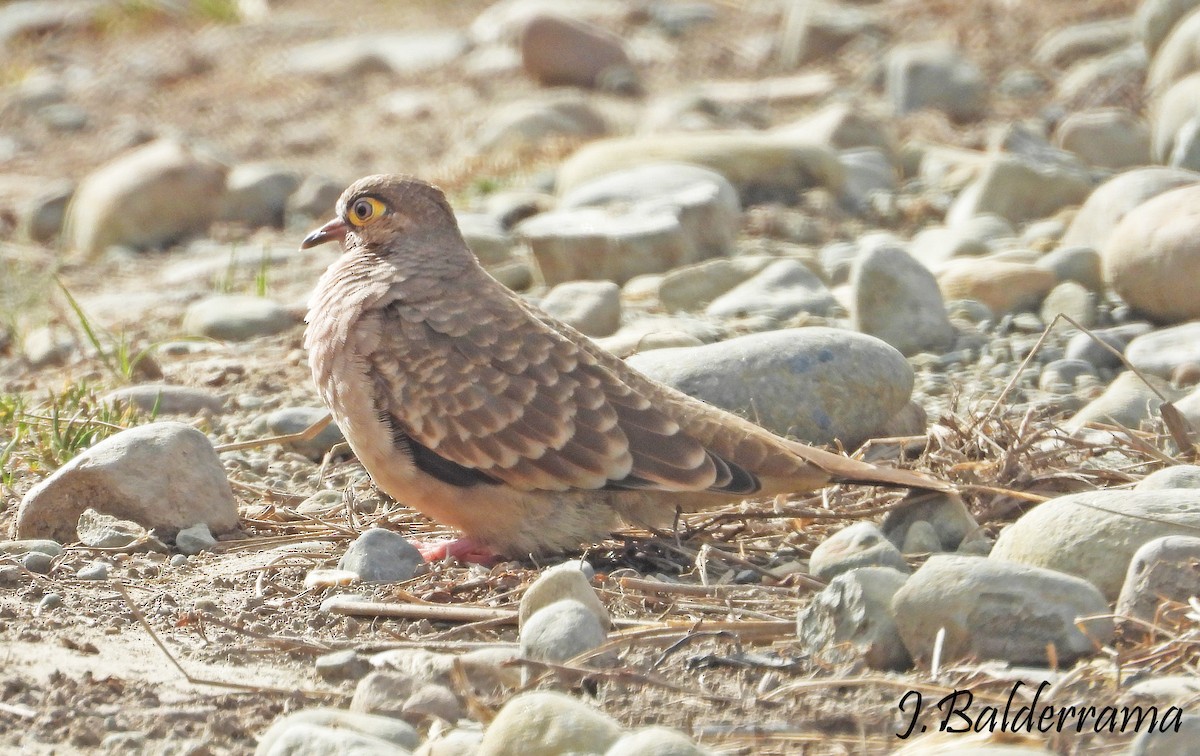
164, 476
1113, 199
147, 198
817, 384
706, 203
1152, 257
1095, 534
995, 610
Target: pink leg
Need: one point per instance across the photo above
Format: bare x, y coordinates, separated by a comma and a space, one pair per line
463, 549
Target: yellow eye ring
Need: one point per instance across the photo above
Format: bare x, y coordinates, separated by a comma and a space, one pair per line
364, 210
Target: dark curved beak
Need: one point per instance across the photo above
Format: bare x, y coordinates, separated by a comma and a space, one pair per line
334, 229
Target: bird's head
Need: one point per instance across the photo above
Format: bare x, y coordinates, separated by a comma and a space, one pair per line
391, 213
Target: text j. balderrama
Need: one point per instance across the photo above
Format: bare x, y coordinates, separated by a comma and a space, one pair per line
959, 714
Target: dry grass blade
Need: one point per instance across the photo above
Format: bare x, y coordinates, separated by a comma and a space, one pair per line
431, 612
1177, 425
308, 434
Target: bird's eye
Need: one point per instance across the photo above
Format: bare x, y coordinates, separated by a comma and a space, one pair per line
365, 210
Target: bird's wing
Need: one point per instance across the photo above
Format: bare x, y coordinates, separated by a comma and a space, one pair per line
484, 391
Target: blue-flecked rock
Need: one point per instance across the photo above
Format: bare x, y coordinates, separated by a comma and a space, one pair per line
817, 384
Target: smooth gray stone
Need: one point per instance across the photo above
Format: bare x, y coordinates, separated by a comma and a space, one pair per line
817, 384
542, 723
147, 198
237, 317
1171, 742
862, 544
1060, 376
195, 539
1073, 300
934, 75
22, 547
561, 631
654, 741
1128, 401
783, 289
289, 420
1083, 347
1161, 351
897, 299
1095, 534
399, 735
1076, 263
992, 609
256, 194
167, 399
591, 307
1175, 476
381, 556
707, 204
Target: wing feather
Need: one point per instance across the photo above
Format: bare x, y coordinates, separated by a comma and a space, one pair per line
515, 399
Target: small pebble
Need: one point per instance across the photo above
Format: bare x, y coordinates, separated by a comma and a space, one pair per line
195, 539
381, 556
36, 561
342, 665
50, 601
97, 570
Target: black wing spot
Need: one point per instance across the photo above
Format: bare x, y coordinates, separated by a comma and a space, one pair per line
431, 463
731, 479
741, 480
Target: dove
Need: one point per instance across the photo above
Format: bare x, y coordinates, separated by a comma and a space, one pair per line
471, 405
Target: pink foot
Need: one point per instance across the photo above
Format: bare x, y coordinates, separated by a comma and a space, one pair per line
463, 549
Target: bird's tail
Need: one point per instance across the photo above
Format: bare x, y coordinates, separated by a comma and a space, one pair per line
843, 469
